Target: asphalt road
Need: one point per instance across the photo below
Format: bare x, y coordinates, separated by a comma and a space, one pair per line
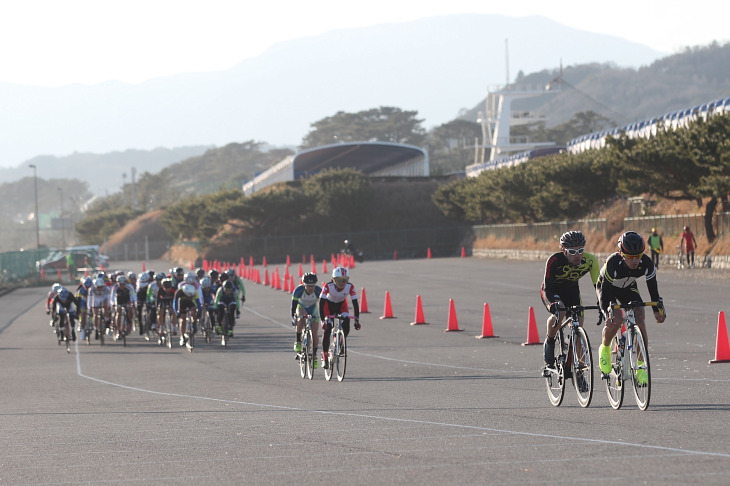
417, 406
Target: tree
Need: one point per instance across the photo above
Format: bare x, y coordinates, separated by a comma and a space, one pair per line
451, 145
384, 124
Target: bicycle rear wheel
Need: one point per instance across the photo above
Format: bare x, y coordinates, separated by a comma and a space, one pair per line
190, 330
339, 359
168, 330
329, 364
303, 356
615, 379
555, 375
582, 366
639, 365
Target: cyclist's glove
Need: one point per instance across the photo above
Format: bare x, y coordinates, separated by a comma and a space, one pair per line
660, 307
357, 324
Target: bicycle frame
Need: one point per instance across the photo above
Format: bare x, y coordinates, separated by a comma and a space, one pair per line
337, 349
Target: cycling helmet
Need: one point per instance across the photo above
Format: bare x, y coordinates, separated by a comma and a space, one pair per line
214, 274
231, 273
347, 242
224, 277
167, 283
99, 282
151, 273
191, 277
144, 278
179, 272
686, 228
189, 290
309, 278
159, 277
200, 273
121, 280
64, 294
228, 285
340, 272
631, 243
88, 283
206, 283
56, 287
571, 239
131, 276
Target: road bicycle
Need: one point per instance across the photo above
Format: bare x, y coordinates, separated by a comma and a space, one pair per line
165, 325
226, 325
87, 324
145, 322
306, 355
680, 257
337, 359
63, 330
573, 357
99, 323
207, 326
629, 359
119, 324
189, 334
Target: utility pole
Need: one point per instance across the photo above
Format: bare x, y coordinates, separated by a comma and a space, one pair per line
37, 224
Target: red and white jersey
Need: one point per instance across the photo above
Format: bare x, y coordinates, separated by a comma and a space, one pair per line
330, 292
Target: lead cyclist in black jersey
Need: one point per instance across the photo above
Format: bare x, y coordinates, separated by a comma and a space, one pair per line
560, 283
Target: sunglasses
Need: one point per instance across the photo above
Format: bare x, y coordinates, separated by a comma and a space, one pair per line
631, 257
341, 280
574, 251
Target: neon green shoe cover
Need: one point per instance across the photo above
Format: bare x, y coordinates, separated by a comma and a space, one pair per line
298, 347
604, 353
642, 377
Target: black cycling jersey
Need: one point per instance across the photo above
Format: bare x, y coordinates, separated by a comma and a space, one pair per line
617, 281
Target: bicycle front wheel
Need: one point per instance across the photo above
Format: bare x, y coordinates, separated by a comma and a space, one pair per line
339, 359
308, 349
615, 379
582, 367
640, 369
555, 374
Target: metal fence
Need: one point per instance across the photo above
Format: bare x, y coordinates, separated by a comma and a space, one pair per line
539, 231
137, 250
672, 224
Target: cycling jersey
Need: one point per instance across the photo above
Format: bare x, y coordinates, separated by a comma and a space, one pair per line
300, 298
331, 295
182, 302
561, 278
618, 282
123, 294
98, 296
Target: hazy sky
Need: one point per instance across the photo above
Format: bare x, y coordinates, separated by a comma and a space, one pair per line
57, 42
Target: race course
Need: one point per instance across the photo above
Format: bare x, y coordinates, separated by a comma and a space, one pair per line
417, 406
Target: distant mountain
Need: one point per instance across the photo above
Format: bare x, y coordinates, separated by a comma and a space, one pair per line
104, 173
437, 66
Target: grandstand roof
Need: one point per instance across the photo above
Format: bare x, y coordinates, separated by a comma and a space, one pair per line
367, 157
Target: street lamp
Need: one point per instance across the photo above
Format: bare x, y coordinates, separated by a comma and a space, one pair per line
63, 221
37, 224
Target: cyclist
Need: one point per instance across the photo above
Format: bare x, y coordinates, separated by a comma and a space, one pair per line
240, 289
123, 298
178, 276
560, 283
208, 298
50, 308
99, 298
617, 282
165, 297
150, 298
142, 283
688, 244
186, 300
225, 297
82, 292
332, 301
304, 302
66, 302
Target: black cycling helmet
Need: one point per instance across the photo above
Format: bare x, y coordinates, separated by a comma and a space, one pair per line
309, 278
179, 271
572, 238
167, 283
214, 274
631, 243
200, 273
228, 285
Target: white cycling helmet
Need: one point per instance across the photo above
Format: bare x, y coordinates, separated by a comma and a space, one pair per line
189, 290
191, 277
99, 282
340, 272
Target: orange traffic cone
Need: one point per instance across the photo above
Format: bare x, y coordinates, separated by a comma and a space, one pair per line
324, 266
532, 335
363, 302
487, 331
395, 254
419, 313
266, 277
722, 345
463, 252
144, 268
428, 255
453, 323
43, 274
291, 284
388, 311
59, 276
